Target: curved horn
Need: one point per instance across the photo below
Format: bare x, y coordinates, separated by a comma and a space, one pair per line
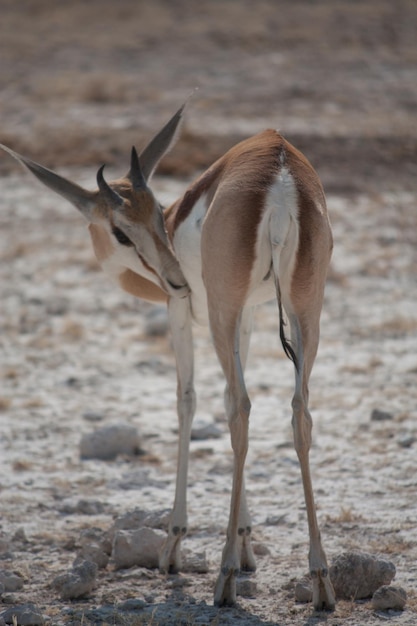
112, 197
136, 176
161, 143
82, 199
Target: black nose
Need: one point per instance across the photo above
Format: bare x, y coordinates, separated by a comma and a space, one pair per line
176, 286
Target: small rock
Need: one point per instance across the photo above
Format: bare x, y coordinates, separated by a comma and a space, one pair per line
137, 478
202, 431
82, 507
103, 538
260, 549
140, 517
137, 547
96, 546
357, 575
78, 582
246, 588
20, 536
304, 591
276, 520
406, 440
156, 322
108, 442
92, 416
24, 615
92, 552
4, 543
10, 581
389, 597
57, 306
380, 416
195, 563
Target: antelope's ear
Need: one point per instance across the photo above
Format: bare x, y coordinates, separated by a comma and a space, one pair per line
83, 200
160, 144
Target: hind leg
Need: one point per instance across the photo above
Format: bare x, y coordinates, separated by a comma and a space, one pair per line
305, 334
225, 329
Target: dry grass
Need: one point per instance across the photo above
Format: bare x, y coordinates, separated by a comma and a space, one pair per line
391, 544
345, 516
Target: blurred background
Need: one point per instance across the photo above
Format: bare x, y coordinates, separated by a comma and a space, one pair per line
81, 81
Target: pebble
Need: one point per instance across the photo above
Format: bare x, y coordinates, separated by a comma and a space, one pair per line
4, 543
108, 442
82, 507
96, 546
195, 563
20, 536
202, 431
78, 582
93, 553
92, 416
406, 440
137, 547
357, 575
246, 588
380, 416
140, 517
103, 538
304, 591
389, 597
23, 615
10, 581
260, 549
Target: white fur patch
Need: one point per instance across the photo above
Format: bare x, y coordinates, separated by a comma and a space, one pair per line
187, 246
277, 240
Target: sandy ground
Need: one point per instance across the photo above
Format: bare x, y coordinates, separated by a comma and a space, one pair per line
79, 84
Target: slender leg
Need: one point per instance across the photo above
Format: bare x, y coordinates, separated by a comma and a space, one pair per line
226, 339
305, 339
180, 322
247, 558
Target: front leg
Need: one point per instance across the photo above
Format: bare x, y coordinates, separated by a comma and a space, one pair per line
180, 322
247, 558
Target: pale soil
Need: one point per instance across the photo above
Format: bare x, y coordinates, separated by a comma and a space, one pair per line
344, 90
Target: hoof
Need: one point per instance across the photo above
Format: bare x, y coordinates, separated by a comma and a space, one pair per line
323, 594
247, 558
170, 556
225, 590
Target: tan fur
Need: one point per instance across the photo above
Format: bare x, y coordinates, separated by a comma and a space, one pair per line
102, 244
141, 287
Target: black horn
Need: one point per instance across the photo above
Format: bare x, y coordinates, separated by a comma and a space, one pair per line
136, 176
83, 200
106, 191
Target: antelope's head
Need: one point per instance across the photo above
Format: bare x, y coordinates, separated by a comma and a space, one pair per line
125, 220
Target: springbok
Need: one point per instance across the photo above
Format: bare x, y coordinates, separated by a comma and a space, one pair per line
253, 227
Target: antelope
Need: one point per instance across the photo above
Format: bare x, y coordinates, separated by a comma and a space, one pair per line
252, 228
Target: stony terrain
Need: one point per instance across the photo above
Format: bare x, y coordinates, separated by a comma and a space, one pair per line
79, 83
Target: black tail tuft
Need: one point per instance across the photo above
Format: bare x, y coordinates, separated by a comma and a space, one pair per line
286, 344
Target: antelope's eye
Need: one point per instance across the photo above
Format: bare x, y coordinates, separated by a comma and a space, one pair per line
121, 237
